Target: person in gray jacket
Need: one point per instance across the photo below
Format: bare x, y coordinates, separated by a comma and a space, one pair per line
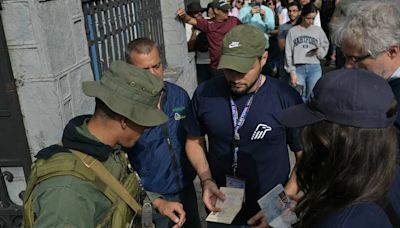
306, 45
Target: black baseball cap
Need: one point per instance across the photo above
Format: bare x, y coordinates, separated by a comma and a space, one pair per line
194, 7
221, 4
352, 97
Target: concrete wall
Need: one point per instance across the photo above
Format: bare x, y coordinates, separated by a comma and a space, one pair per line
181, 65
204, 3
49, 57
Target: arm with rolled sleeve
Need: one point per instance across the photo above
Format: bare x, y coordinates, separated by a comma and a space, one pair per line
195, 152
195, 140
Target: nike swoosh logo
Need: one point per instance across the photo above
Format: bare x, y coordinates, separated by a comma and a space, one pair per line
234, 45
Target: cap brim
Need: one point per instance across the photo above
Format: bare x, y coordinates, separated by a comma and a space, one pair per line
136, 112
239, 64
299, 116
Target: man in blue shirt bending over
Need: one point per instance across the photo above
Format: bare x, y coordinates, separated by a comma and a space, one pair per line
159, 155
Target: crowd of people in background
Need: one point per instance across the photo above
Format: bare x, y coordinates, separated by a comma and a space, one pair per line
297, 39
261, 96
274, 18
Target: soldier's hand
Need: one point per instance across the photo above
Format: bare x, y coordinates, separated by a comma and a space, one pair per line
172, 210
210, 195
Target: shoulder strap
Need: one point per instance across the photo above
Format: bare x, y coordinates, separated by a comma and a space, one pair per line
104, 175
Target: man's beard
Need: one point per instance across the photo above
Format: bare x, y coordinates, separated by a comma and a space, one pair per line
246, 90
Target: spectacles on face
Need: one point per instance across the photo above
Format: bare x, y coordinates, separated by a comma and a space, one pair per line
270, 3
357, 59
240, 2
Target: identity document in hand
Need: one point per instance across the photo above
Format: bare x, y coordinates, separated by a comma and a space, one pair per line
230, 207
277, 208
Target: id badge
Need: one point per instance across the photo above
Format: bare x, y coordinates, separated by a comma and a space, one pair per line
234, 182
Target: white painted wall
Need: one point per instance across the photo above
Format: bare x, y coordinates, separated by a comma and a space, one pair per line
49, 57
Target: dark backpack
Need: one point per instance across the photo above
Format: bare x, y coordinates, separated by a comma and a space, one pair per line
201, 44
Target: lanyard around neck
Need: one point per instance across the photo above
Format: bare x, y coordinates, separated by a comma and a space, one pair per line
238, 123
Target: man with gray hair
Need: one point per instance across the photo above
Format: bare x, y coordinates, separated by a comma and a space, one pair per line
369, 37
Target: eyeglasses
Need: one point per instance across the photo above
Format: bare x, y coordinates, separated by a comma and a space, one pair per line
357, 59
270, 3
240, 2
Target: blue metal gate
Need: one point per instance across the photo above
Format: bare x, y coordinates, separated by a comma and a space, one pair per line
112, 24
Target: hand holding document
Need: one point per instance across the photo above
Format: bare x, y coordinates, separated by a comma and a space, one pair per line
278, 208
230, 207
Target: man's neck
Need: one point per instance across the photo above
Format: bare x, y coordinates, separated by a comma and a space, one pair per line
102, 130
395, 74
256, 85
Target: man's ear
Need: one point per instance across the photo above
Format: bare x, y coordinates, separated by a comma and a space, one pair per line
394, 51
123, 122
264, 58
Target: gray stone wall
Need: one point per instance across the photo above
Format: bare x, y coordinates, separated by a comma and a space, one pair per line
49, 57
181, 68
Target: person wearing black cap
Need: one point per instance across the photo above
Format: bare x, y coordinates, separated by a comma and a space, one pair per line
194, 10
215, 29
348, 169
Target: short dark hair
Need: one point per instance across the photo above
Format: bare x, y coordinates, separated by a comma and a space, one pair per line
295, 3
342, 165
104, 111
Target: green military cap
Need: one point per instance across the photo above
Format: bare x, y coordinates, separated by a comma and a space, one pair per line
241, 47
129, 91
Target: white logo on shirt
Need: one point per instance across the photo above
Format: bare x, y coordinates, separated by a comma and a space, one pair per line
260, 131
178, 116
234, 44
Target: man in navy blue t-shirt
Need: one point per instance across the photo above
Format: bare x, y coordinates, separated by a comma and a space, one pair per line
250, 150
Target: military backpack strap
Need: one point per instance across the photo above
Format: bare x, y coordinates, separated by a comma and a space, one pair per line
104, 175
60, 164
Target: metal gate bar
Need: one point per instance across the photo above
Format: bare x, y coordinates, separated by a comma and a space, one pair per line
112, 24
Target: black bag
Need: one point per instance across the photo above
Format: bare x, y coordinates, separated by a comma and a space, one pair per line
201, 43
